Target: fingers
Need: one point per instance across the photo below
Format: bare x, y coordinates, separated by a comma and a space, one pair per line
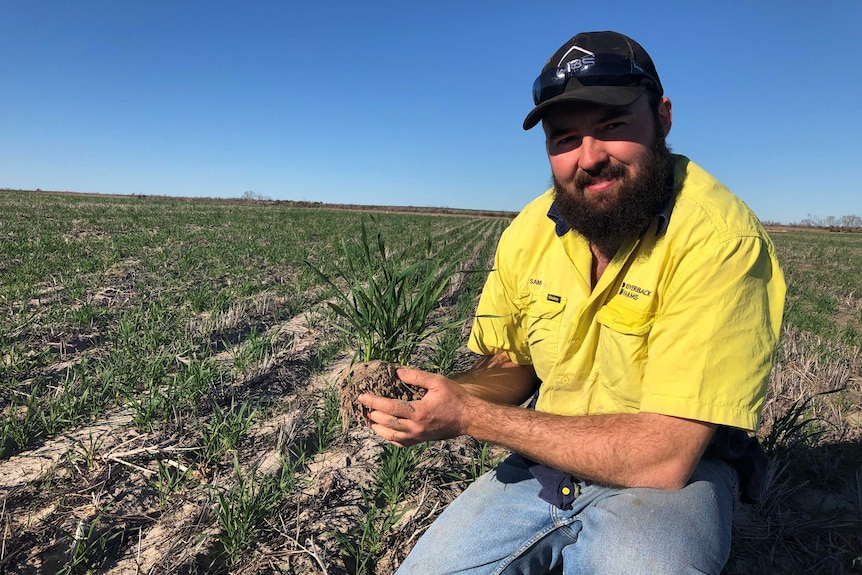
386, 414
393, 436
393, 429
390, 419
393, 407
418, 377
401, 422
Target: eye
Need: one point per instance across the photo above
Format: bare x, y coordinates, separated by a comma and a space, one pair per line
566, 142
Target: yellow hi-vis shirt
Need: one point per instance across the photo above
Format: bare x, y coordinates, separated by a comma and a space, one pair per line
683, 322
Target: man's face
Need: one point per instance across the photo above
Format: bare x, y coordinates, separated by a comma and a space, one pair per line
610, 167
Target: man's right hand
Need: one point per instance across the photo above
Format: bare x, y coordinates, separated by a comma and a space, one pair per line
444, 410
438, 415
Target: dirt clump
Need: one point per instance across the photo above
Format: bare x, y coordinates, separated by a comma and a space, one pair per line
375, 377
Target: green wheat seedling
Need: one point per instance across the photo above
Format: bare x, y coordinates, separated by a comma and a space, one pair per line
201, 298
87, 315
788, 430
87, 450
242, 509
15, 433
14, 363
395, 468
392, 482
323, 354
165, 396
327, 419
20, 425
389, 297
446, 350
169, 480
225, 429
253, 351
194, 379
45, 414
482, 460
89, 546
79, 396
149, 407
363, 541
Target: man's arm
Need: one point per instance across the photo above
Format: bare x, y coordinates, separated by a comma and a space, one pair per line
632, 450
498, 379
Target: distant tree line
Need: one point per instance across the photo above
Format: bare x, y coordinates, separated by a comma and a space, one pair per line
252, 196
850, 223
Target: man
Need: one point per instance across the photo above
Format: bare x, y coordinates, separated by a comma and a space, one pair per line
642, 301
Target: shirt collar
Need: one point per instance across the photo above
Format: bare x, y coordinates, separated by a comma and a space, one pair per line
562, 227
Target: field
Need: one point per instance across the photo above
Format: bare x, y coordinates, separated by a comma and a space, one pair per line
169, 391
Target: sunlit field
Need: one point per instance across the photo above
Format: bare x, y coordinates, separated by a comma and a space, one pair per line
169, 389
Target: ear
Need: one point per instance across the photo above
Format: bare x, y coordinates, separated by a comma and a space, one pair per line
665, 115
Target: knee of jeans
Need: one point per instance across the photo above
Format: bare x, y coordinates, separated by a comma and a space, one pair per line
654, 531
616, 561
643, 553
722, 474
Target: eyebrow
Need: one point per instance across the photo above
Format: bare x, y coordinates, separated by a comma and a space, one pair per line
610, 113
613, 113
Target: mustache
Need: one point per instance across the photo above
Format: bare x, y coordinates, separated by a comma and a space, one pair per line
607, 171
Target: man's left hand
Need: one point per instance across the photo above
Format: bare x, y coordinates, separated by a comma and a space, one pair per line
438, 415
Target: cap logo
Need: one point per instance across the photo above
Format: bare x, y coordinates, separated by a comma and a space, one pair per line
569, 51
579, 64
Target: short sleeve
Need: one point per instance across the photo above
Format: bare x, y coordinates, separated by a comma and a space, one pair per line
498, 324
712, 343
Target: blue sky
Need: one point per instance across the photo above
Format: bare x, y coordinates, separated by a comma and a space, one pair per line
409, 103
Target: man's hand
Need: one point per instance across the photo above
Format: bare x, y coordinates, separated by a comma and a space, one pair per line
625, 449
438, 415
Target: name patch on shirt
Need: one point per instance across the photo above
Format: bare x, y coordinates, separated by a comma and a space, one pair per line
554, 298
632, 291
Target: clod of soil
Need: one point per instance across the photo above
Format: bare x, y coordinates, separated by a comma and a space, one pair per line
375, 377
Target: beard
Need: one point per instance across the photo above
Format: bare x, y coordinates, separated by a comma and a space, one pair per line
609, 219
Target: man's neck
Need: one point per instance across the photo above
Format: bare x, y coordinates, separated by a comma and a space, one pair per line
603, 253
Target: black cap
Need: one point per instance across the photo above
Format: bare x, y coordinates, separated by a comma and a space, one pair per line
621, 92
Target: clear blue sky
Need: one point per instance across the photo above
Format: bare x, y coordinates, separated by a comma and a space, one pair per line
400, 102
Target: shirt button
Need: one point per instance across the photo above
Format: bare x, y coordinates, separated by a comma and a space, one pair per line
566, 490
564, 379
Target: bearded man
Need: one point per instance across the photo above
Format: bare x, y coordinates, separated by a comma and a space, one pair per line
638, 303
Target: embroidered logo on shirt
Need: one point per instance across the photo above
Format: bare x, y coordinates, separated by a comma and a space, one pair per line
554, 298
632, 291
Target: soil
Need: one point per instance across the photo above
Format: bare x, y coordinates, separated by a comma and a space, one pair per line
375, 377
100, 491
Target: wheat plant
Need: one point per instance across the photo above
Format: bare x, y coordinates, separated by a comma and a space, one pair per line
389, 297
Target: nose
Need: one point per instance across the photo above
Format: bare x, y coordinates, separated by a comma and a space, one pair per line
592, 153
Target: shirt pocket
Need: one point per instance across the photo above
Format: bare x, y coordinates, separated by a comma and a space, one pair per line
623, 351
543, 332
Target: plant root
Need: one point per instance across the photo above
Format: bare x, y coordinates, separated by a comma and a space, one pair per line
375, 377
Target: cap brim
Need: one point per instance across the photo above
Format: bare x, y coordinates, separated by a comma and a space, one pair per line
606, 95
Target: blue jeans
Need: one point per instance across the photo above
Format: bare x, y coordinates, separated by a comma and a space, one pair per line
499, 526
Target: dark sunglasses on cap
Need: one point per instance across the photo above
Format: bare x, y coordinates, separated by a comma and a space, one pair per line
591, 70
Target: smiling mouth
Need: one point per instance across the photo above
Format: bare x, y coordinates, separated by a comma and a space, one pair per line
601, 180
600, 186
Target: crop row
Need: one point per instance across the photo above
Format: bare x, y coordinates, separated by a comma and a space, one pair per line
133, 303
123, 355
